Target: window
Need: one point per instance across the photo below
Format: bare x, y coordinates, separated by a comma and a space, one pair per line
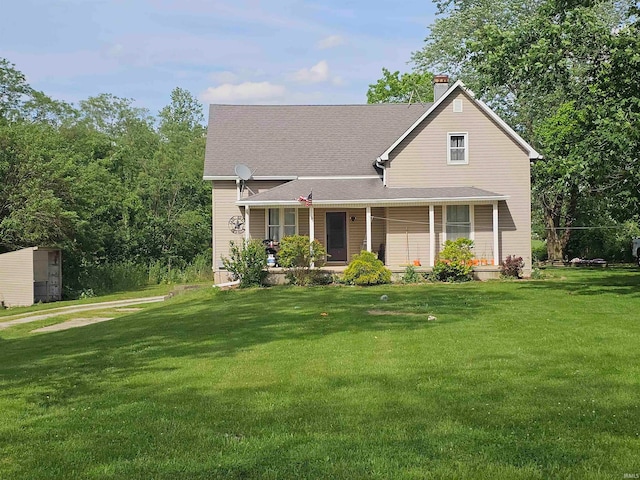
457, 148
281, 222
458, 222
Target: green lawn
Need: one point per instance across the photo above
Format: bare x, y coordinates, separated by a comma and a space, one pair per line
537, 379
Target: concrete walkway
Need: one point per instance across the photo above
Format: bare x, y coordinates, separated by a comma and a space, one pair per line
55, 312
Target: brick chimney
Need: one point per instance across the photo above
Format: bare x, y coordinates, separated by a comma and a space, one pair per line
440, 86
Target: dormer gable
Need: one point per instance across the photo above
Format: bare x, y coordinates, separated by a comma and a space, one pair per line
444, 98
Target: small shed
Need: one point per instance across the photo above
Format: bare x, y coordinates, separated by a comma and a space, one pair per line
30, 275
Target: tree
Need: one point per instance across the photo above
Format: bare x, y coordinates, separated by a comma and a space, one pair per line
13, 89
457, 26
35, 202
176, 199
405, 88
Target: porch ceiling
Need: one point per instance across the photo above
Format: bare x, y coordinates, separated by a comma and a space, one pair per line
369, 191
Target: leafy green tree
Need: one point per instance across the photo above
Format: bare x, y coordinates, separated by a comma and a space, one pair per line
395, 88
33, 180
177, 201
457, 25
13, 90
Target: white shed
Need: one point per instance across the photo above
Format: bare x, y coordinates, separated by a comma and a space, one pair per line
30, 275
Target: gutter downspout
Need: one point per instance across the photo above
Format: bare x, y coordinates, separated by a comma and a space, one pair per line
380, 164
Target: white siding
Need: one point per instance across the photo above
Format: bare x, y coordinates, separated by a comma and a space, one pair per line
16, 278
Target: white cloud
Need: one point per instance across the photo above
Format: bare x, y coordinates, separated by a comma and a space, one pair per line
316, 74
330, 42
246, 92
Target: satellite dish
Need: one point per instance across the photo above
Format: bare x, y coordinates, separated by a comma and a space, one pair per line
243, 172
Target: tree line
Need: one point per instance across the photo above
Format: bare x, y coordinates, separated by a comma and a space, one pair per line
104, 180
565, 74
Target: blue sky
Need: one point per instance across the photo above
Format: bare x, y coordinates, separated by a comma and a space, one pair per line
223, 51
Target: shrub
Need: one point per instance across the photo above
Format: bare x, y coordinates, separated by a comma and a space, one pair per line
246, 262
539, 250
178, 271
100, 279
297, 255
366, 269
537, 274
411, 275
454, 263
511, 267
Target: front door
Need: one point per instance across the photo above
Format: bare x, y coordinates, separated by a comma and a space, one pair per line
337, 236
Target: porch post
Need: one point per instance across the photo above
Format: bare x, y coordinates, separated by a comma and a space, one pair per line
432, 235
368, 229
247, 234
312, 228
496, 254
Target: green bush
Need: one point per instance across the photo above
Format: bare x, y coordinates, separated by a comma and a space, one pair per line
100, 279
366, 269
198, 270
297, 255
537, 274
247, 262
539, 250
411, 275
454, 263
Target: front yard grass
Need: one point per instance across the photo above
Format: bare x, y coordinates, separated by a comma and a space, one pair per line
148, 291
518, 380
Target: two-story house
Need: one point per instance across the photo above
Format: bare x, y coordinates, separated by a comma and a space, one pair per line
395, 179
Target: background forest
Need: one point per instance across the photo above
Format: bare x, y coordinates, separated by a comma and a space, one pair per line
119, 190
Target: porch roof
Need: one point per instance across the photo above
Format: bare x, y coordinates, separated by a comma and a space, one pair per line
365, 191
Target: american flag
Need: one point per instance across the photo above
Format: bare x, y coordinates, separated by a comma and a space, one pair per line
308, 200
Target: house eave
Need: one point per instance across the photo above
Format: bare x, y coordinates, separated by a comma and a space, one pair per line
257, 177
375, 202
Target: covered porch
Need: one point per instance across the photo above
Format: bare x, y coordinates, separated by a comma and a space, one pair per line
403, 226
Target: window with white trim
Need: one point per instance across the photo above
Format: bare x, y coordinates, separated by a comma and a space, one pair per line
281, 222
458, 222
457, 148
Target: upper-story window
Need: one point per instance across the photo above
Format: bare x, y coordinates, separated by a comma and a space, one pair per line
281, 222
457, 148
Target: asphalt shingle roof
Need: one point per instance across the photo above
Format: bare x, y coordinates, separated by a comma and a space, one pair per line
335, 191
301, 140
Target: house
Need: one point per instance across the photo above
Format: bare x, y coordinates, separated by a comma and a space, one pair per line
394, 179
30, 275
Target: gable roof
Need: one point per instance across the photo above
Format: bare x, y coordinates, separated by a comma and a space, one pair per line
291, 141
287, 141
365, 191
533, 154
